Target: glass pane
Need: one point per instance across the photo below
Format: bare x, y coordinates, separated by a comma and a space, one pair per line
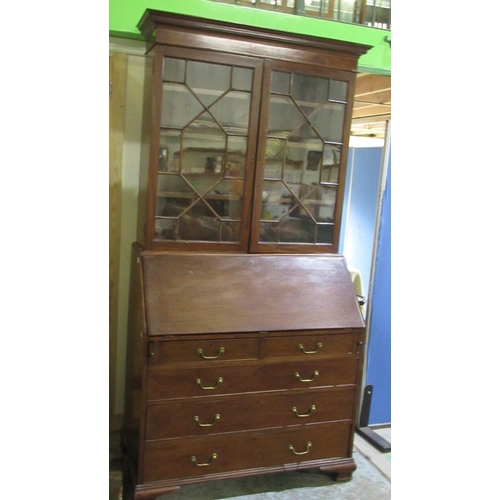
174, 196
275, 147
204, 146
321, 203
268, 232
235, 158
225, 199
297, 228
284, 116
309, 92
329, 121
165, 229
199, 223
338, 91
242, 79
173, 70
208, 81
273, 169
169, 155
302, 162
277, 200
331, 161
233, 112
325, 233
280, 82
230, 231
179, 106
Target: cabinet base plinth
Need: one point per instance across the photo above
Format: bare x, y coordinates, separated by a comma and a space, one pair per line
339, 470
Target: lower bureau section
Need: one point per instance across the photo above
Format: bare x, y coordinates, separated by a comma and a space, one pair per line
200, 457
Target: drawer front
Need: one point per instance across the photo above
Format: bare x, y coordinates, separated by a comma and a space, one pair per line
310, 346
192, 381
310, 373
183, 458
192, 351
255, 411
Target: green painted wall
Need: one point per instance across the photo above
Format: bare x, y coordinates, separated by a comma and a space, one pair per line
124, 15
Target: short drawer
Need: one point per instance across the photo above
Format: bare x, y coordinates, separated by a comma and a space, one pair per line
251, 412
184, 458
192, 351
195, 380
307, 345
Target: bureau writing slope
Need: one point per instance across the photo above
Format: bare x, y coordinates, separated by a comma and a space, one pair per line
246, 342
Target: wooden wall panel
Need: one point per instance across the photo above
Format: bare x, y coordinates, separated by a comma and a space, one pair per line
117, 78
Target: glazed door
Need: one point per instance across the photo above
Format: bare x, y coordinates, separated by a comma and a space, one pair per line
302, 158
202, 175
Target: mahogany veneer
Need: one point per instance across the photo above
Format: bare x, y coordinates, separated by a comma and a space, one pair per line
273, 396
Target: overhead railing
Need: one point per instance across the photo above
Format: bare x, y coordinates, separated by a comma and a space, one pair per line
375, 13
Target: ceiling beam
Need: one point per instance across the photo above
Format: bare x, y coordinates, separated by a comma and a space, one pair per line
370, 111
371, 84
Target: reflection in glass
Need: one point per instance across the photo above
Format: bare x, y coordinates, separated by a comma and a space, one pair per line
329, 121
169, 154
242, 79
276, 200
173, 70
320, 203
280, 82
204, 143
207, 80
199, 223
179, 106
165, 229
235, 158
174, 196
225, 199
297, 228
309, 92
338, 91
268, 232
325, 233
331, 161
202, 151
230, 231
284, 116
233, 112
303, 147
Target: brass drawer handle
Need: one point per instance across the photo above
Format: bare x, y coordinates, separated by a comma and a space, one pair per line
200, 352
319, 345
197, 420
309, 444
219, 381
294, 409
212, 458
297, 375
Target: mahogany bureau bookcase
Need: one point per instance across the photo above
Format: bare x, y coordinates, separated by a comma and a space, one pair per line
246, 342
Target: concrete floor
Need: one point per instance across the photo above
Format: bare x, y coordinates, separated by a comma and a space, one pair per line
370, 481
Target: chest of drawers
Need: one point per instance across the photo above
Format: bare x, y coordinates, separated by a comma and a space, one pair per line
226, 379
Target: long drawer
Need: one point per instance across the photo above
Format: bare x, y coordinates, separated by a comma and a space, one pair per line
251, 412
184, 458
194, 380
